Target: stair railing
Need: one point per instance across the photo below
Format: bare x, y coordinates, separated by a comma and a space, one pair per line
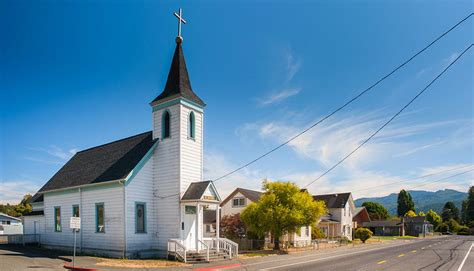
176, 246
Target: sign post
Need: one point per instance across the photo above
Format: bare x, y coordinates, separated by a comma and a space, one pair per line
75, 225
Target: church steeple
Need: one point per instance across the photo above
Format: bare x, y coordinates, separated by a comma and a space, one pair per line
178, 84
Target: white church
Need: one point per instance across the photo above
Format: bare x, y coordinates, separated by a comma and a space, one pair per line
140, 196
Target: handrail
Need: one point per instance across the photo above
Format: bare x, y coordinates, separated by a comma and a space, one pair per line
229, 246
207, 249
177, 243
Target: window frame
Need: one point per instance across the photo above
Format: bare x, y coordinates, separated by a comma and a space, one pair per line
74, 206
165, 135
56, 222
240, 199
191, 126
138, 203
97, 205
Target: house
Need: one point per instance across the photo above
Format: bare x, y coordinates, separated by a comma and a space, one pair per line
240, 198
360, 217
10, 224
417, 226
385, 227
338, 221
139, 196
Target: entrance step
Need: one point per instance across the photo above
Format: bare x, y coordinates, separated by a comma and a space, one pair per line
200, 257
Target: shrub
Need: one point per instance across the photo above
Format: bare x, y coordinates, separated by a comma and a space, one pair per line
463, 230
442, 227
363, 234
317, 233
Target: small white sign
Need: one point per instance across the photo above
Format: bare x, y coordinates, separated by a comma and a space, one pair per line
75, 223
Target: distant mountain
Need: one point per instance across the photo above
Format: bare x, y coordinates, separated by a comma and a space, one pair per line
424, 200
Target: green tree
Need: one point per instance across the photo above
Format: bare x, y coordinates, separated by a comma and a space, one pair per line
363, 234
376, 210
421, 213
450, 211
282, 208
433, 218
464, 212
317, 233
404, 203
470, 206
19, 209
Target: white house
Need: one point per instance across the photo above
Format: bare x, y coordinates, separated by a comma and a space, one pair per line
10, 224
240, 198
338, 222
138, 196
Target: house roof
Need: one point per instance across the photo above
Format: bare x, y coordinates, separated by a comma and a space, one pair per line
38, 197
32, 213
108, 162
249, 194
178, 83
338, 200
415, 219
11, 217
383, 223
209, 216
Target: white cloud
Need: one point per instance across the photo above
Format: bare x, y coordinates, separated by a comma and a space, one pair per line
53, 152
293, 64
13, 191
279, 96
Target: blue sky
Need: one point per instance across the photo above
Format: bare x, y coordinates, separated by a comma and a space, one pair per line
76, 74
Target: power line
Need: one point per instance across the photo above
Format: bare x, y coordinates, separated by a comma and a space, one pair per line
413, 179
391, 119
439, 180
347, 103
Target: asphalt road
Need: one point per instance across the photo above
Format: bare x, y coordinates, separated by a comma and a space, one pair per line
444, 253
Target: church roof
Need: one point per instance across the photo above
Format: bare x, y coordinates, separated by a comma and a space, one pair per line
178, 84
195, 190
108, 162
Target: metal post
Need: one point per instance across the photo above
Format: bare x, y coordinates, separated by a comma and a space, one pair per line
74, 253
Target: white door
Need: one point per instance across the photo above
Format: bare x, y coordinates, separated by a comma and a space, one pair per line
190, 226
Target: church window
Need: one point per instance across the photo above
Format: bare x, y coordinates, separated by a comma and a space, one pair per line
75, 211
57, 219
166, 125
191, 125
190, 210
99, 218
140, 217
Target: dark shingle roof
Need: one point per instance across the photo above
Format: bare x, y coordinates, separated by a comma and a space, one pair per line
195, 190
250, 194
209, 216
415, 219
32, 213
334, 200
383, 223
178, 83
37, 198
112, 161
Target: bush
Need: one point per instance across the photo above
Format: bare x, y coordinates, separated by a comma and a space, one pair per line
363, 234
442, 227
317, 233
463, 230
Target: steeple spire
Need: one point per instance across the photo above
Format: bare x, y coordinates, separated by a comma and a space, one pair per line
178, 83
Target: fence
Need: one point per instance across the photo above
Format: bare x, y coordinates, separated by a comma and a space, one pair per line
254, 244
20, 239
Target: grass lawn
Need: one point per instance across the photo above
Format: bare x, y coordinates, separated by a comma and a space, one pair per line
391, 237
126, 263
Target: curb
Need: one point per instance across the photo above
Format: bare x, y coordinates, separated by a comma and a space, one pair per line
76, 268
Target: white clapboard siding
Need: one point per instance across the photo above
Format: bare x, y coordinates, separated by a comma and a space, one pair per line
29, 224
166, 176
191, 149
111, 242
141, 189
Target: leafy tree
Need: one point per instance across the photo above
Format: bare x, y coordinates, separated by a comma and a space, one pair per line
421, 213
282, 208
404, 203
19, 209
410, 213
450, 211
464, 212
470, 206
376, 210
453, 225
363, 234
433, 218
233, 227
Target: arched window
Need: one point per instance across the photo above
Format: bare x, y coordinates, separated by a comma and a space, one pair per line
166, 125
191, 125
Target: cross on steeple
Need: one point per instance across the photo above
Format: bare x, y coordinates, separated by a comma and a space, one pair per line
179, 15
